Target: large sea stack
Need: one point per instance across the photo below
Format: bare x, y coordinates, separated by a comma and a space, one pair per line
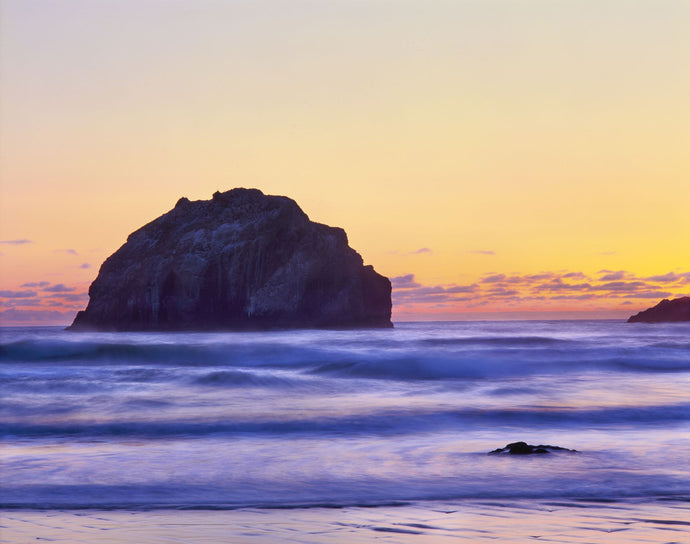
667, 311
240, 261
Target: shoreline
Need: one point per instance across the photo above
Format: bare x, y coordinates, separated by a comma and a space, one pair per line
565, 521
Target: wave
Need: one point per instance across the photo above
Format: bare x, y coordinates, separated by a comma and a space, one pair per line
384, 422
371, 494
236, 378
475, 365
492, 341
340, 418
407, 359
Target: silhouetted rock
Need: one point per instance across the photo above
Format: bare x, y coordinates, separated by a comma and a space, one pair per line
243, 260
666, 311
522, 448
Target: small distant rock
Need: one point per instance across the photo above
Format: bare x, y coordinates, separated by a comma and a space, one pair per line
522, 448
667, 311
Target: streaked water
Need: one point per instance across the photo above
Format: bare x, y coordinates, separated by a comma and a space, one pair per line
341, 418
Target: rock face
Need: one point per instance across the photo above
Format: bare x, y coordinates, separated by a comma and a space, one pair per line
666, 311
523, 448
243, 260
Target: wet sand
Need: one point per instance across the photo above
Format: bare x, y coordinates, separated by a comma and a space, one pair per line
431, 522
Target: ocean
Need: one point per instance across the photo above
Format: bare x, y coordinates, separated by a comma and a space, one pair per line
325, 421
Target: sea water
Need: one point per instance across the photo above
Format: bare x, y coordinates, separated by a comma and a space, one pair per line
132, 421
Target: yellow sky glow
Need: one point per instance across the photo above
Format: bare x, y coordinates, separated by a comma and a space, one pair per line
498, 137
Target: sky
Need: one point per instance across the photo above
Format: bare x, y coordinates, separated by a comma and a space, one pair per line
495, 158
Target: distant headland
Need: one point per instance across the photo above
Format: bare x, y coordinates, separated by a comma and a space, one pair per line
667, 311
240, 261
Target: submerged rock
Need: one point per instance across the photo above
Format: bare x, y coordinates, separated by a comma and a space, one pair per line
667, 311
522, 448
243, 260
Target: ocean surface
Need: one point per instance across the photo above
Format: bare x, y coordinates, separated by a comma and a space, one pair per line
311, 419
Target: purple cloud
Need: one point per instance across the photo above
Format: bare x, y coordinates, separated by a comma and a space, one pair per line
501, 292
648, 294
574, 297
18, 294
561, 286
670, 277
420, 251
620, 286
85, 265
405, 289
575, 275
539, 277
557, 284
16, 242
404, 282
36, 284
482, 252
68, 251
58, 288
613, 276
20, 302
19, 316
462, 288
70, 297
496, 278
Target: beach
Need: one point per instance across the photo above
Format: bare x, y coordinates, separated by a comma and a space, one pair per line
436, 522
347, 436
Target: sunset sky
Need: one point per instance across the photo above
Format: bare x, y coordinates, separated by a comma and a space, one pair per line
494, 158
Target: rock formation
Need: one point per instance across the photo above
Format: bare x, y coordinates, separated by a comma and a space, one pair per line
242, 260
523, 448
666, 311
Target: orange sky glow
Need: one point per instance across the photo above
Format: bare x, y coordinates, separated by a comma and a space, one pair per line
497, 159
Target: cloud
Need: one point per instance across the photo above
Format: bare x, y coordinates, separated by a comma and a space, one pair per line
670, 277
575, 275
482, 252
462, 288
58, 288
613, 276
404, 282
557, 284
590, 296
16, 242
68, 251
420, 251
15, 302
18, 294
36, 284
534, 291
70, 297
538, 277
16, 316
496, 278
502, 292
407, 290
620, 286
649, 294
85, 265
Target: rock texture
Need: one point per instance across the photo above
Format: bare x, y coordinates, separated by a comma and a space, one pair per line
523, 448
666, 311
243, 260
